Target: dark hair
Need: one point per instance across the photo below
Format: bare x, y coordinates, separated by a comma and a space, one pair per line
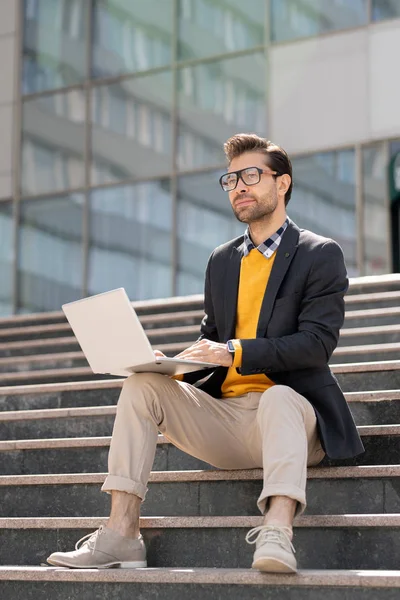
277, 158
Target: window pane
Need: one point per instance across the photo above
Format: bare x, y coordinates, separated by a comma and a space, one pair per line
291, 19
54, 43
394, 147
131, 135
211, 27
130, 240
53, 143
131, 36
50, 253
216, 100
324, 199
376, 213
385, 9
205, 220
6, 258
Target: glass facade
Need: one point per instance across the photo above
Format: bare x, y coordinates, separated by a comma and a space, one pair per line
324, 199
6, 257
50, 257
125, 107
375, 210
385, 9
130, 239
294, 19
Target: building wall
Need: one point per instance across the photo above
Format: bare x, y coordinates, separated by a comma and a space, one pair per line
113, 116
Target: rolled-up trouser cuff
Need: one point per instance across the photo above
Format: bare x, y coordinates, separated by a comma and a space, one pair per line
122, 484
282, 489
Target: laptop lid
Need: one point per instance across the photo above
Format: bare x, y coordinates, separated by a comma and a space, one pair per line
109, 331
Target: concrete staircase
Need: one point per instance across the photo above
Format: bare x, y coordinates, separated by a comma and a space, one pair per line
56, 419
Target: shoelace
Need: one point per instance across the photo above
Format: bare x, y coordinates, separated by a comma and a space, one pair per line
279, 535
91, 539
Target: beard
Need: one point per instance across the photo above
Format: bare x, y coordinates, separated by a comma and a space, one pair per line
263, 207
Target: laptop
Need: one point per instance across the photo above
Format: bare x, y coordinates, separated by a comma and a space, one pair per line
114, 341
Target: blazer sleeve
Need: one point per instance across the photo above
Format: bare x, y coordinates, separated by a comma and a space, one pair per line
319, 322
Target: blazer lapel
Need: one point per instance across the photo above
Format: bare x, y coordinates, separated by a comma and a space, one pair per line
231, 290
284, 256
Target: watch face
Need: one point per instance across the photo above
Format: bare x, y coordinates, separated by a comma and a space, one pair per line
231, 347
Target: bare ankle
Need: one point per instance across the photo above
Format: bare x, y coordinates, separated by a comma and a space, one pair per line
125, 514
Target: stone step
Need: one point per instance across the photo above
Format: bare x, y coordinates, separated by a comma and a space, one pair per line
351, 376
375, 300
321, 541
89, 454
92, 399
373, 284
95, 421
195, 584
357, 336
332, 490
65, 360
372, 317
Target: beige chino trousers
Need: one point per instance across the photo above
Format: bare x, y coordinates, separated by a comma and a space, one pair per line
275, 430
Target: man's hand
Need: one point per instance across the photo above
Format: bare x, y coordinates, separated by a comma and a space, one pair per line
207, 351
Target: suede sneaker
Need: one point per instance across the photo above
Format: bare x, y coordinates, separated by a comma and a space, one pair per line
274, 549
103, 549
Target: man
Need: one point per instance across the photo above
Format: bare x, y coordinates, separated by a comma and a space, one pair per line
273, 310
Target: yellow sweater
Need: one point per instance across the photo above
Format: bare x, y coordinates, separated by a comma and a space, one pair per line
254, 275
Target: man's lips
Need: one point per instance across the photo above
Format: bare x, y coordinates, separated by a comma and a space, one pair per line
244, 202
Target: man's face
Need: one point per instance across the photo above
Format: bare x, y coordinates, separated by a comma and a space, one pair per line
251, 203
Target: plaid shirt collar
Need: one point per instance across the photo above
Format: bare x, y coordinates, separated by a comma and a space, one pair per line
270, 245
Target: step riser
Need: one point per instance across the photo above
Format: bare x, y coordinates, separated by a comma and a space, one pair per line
33, 590
317, 548
367, 413
378, 321
365, 357
216, 498
350, 382
375, 338
380, 450
67, 363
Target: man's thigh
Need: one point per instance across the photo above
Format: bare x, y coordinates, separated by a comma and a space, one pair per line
202, 426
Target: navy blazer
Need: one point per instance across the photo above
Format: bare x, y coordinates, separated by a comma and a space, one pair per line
298, 327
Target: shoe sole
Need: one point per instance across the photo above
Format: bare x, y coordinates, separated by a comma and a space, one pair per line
272, 565
139, 564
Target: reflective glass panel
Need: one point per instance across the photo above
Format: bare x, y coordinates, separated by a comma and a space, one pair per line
376, 212
394, 147
50, 253
131, 36
130, 240
131, 134
53, 141
292, 19
385, 9
6, 258
216, 100
54, 44
205, 220
211, 27
324, 199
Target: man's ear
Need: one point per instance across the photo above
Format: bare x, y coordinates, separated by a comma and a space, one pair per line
284, 182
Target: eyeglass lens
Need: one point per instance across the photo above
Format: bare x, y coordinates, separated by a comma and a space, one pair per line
250, 176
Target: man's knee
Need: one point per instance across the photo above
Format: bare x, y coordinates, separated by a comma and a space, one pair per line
142, 389
278, 398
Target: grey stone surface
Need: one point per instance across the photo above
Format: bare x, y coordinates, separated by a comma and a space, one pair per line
376, 413
376, 338
13, 590
372, 380
96, 426
216, 498
379, 450
365, 357
317, 548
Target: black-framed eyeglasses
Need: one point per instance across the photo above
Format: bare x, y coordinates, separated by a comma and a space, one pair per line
249, 176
